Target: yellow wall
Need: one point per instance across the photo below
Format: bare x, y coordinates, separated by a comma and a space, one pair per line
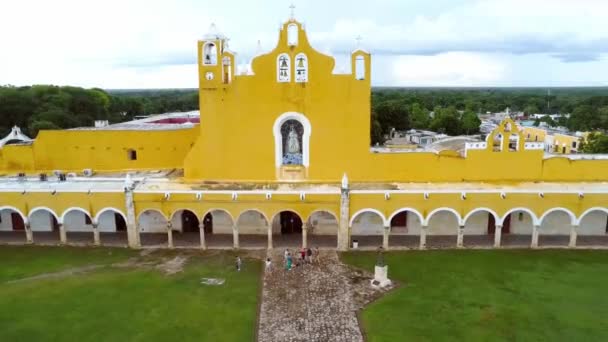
534, 134
560, 139
101, 150
237, 142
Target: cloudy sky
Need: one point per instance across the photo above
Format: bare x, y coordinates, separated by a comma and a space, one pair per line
152, 44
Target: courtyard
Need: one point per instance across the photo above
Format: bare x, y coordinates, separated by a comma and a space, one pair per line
63, 293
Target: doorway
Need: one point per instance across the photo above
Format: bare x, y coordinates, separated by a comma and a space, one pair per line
291, 223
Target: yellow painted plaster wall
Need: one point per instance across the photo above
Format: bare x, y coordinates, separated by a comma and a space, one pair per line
101, 150
237, 142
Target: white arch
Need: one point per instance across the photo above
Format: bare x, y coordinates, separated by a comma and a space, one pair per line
278, 141
23, 217
400, 210
254, 210
152, 209
354, 216
75, 209
580, 218
285, 210
453, 211
321, 211
210, 211
570, 213
476, 210
46, 209
535, 220
102, 211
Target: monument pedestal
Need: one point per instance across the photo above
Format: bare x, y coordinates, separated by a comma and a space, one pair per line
381, 277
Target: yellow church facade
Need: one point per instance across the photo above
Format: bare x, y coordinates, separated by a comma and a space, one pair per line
280, 156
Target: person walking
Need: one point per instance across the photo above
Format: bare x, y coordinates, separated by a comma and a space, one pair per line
239, 263
268, 264
309, 256
288, 263
303, 255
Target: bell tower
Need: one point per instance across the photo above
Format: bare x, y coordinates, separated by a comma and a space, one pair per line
211, 62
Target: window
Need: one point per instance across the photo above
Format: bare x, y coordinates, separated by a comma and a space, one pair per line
209, 54
301, 62
574, 144
283, 68
564, 149
360, 68
292, 35
132, 154
227, 66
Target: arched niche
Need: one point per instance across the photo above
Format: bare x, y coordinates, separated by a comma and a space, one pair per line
292, 140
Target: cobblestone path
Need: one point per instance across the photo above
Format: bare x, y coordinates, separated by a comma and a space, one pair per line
313, 302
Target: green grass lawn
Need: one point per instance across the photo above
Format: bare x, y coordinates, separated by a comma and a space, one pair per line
124, 304
510, 295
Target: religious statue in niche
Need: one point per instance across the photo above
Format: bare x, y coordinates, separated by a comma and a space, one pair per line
283, 68
291, 132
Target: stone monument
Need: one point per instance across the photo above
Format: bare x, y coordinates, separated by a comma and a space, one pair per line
380, 271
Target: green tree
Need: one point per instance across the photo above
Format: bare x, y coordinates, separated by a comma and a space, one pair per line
36, 126
595, 143
470, 123
419, 117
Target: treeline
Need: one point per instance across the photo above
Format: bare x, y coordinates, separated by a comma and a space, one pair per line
53, 107
454, 111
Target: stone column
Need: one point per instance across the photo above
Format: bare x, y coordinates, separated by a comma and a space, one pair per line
170, 235
385, 235
343, 229
132, 226
96, 239
201, 229
423, 237
63, 237
573, 236
235, 237
269, 236
29, 237
460, 237
305, 236
534, 243
497, 236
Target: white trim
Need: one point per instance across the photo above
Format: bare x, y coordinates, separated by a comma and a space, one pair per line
152, 209
65, 212
278, 141
47, 209
535, 220
375, 211
546, 213
406, 209
23, 217
106, 209
254, 210
453, 211
211, 210
590, 210
477, 210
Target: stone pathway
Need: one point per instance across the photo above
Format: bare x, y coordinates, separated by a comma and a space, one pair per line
313, 302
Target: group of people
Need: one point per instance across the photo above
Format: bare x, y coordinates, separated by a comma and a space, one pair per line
300, 258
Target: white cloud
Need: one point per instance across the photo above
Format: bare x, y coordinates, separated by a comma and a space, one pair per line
448, 69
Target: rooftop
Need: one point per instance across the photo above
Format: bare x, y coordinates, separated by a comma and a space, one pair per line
157, 122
